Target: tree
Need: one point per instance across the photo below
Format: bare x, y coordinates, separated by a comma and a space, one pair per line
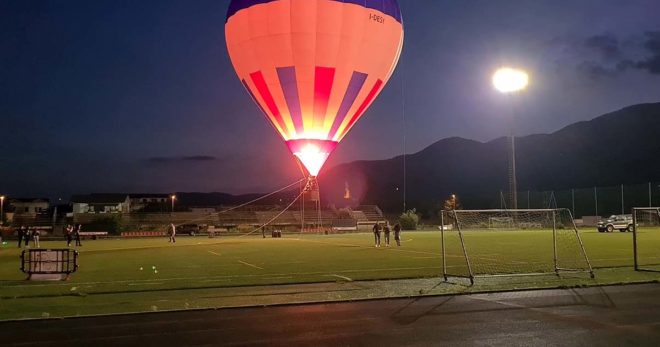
409, 220
452, 203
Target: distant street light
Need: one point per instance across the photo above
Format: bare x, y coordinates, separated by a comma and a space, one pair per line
508, 81
173, 197
2, 210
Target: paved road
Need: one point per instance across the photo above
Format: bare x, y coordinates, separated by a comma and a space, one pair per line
612, 316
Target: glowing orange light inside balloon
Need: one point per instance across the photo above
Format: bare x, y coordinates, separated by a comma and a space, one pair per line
312, 157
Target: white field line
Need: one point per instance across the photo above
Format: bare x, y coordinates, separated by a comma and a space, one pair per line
155, 246
250, 265
342, 277
218, 254
505, 262
495, 258
219, 278
279, 277
369, 247
230, 239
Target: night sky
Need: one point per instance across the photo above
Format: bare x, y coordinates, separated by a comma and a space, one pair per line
140, 96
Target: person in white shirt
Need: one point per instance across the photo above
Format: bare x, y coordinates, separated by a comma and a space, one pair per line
172, 230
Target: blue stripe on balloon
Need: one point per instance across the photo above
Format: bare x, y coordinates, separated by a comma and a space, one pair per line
389, 7
354, 87
287, 76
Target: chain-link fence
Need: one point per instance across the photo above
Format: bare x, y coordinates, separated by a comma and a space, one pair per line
593, 201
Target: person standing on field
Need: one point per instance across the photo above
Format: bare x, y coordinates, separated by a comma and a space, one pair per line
386, 231
20, 233
69, 234
28, 235
376, 229
397, 234
172, 232
77, 235
35, 237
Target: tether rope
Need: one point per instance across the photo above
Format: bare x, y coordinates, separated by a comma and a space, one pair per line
276, 216
243, 204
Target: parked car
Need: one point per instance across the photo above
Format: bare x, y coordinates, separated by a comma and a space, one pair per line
622, 222
190, 229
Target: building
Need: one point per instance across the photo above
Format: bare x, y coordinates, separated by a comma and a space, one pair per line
101, 203
141, 201
29, 211
30, 206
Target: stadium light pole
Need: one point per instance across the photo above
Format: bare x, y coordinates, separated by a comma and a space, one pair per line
173, 197
510, 81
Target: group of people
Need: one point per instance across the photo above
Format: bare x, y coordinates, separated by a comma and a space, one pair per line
27, 234
72, 232
385, 229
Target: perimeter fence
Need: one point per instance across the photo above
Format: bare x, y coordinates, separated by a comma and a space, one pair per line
591, 201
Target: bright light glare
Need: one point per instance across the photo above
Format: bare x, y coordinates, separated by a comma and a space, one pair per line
508, 80
312, 157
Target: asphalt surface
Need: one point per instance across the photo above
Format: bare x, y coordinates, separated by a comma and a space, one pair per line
599, 316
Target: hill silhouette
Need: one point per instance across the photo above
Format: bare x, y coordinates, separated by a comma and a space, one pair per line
622, 147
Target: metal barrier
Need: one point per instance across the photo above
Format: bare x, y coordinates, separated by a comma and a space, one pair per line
49, 264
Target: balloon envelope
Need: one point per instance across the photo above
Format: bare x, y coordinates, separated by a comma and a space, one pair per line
314, 66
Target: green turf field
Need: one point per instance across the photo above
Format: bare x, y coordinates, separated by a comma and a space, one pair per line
150, 265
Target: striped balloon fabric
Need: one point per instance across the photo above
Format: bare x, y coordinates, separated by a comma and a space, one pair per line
314, 66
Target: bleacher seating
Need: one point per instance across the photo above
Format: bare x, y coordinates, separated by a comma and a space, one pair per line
286, 218
312, 216
367, 213
237, 217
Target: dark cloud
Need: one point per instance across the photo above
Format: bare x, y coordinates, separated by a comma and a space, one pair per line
199, 158
652, 45
192, 158
606, 45
652, 41
596, 70
614, 59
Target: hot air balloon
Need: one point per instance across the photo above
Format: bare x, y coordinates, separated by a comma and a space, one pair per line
314, 66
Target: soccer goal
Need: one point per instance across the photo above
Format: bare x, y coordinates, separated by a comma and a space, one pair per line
488, 243
646, 238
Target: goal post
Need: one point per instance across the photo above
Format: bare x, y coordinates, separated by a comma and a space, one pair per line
646, 238
490, 243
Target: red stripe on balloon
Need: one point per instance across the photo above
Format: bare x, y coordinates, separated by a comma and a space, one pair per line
262, 88
370, 97
323, 79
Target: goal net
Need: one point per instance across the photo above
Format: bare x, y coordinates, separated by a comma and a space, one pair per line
484, 243
646, 238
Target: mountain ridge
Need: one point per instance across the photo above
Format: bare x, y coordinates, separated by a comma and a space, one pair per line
614, 148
